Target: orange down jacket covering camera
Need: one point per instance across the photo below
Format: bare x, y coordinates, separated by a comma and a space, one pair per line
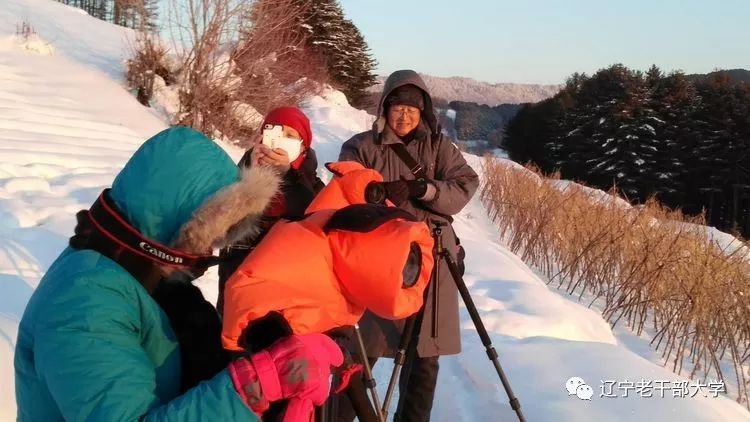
323, 271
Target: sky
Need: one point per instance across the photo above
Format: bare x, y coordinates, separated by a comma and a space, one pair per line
545, 41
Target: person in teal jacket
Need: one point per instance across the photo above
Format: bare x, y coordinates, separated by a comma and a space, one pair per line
93, 344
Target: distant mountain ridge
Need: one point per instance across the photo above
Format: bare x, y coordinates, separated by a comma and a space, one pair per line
457, 88
736, 75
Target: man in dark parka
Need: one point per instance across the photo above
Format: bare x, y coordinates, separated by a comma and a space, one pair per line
406, 116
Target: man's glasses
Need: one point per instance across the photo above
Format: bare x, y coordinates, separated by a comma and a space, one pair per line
409, 111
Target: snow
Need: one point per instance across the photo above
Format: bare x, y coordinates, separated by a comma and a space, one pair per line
333, 121
500, 153
72, 32
32, 42
656, 119
649, 128
67, 126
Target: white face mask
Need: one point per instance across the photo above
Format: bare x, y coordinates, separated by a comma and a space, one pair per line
292, 146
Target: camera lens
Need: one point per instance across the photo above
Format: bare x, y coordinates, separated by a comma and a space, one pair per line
413, 266
375, 193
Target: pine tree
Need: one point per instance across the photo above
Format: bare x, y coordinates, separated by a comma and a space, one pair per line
609, 137
722, 149
741, 179
527, 135
338, 41
149, 15
643, 146
591, 148
649, 134
710, 163
675, 101
358, 76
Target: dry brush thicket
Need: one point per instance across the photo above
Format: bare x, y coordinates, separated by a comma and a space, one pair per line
652, 268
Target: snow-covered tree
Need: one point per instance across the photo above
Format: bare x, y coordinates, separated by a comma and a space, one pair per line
720, 158
595, 137
675, 101
340, 44
686, 142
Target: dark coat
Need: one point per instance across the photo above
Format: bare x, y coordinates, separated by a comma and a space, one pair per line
298, 188
456, 183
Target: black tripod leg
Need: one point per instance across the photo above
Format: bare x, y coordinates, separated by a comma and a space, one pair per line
437, 234
399, 360
410, 337
322, 413
411, 356
369, 380
357, 394
515, 404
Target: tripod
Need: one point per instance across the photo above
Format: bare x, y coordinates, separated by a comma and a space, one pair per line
410, 336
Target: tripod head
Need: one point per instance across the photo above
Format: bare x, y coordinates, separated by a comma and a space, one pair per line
438, 224
437, 236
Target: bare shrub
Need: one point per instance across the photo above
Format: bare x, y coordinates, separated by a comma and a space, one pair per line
649, 267
148, 59
24, 30
240, 59
276, 66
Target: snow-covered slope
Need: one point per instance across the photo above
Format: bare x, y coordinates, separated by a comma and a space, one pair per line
73, 33
67, 126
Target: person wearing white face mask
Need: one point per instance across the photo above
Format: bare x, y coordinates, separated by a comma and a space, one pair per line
296, 161
287, 150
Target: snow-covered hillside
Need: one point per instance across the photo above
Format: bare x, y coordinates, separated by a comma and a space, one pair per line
457, 88
67, 126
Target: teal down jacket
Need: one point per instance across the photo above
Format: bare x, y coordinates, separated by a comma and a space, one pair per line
92, 344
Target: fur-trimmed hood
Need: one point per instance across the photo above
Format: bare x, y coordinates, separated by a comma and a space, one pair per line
231, 214
181, 189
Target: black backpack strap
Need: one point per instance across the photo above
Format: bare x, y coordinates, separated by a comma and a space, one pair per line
437, 137
416, 169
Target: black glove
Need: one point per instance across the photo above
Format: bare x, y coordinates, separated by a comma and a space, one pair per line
417, 188
398, 191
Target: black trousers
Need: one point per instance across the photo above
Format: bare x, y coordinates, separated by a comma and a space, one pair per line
418, 392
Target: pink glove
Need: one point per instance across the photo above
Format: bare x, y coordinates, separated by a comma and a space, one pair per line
296, 367
299, 410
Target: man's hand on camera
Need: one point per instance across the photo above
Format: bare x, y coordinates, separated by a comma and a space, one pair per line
398, 191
